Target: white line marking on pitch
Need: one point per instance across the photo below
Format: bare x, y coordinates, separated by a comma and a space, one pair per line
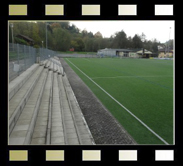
121, 105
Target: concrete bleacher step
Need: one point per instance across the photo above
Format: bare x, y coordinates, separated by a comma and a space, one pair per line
40, 132
80, 123
57, 127
55, 69
75, 127
18, 101
47, 64
46, 111
58, 69
57, 66
51, 66
69, 125
42, 63
18, 82
22, 132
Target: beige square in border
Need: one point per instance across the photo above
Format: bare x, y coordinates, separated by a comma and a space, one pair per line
127, 155
54, 155
54, 9
17, 9
90, 9
18, 155
127, 9
91, 155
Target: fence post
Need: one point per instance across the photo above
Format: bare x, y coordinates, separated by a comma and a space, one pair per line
18, 57
18, 52
32, 55
41, 54
24, 58
29, 56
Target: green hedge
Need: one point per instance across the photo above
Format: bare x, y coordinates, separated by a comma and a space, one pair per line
20, 41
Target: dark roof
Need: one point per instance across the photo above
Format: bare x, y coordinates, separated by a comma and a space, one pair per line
25, 37
135, 49
165, 50
119, 49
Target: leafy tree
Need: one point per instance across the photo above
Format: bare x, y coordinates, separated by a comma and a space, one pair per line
64, 25
90, 34
61, 36
62, 39
20, 41
169, 43
78, 44
73, 29
137, 43
10, 35
98, 35
155, 46
120, 40
89, 44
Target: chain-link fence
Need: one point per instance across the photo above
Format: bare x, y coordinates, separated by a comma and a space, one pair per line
21, 57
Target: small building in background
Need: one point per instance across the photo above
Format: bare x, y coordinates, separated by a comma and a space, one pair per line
143, 53
165, 53
134, 53
113, 52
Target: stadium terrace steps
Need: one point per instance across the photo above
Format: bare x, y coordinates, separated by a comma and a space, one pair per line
43, 62
44, 110
83, 133
18, 82
57, 126
23, 129
54, 65
18, 101
41, 126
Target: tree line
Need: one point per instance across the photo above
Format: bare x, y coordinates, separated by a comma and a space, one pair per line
61, 36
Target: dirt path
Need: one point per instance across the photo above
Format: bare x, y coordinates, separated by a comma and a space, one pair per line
103, 126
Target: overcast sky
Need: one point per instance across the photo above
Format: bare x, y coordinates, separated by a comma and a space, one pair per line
152, 29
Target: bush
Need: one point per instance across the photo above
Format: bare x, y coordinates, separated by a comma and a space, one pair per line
36, 46
20, 41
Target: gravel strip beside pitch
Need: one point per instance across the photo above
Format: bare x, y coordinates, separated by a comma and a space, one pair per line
103, 126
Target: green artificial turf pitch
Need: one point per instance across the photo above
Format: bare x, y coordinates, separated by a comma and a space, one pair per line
143, 86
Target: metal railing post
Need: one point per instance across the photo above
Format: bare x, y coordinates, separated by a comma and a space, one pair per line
18, 52
24, 58
18, 57
29, 56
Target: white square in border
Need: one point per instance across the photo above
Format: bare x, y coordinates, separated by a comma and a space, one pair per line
164, 155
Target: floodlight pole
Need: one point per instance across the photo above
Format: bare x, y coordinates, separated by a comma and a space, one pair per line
11, 24
168, 42
46, 36
142, 44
